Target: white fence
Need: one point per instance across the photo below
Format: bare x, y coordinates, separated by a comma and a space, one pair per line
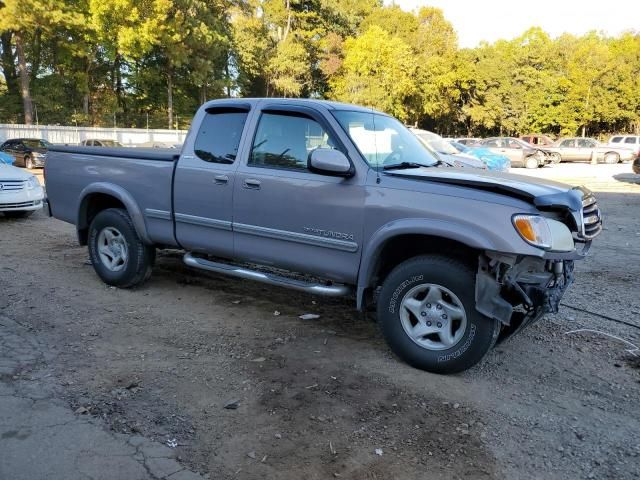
74, 135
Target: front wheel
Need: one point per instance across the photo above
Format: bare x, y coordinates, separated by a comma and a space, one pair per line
427, 314
531, 162
555, 158
117, 253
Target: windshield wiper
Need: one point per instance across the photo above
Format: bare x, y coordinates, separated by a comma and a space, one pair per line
404, 165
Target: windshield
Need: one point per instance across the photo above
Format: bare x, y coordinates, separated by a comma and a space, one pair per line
440, 145
383, 140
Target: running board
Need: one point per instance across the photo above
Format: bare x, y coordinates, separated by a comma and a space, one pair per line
336, 290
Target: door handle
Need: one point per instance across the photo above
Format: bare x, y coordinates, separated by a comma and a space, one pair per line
221, 179
252, 183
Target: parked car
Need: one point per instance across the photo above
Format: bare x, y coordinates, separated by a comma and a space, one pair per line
453, 259
537, 140
6, 158
90, 142
587, 149
445, 151
520, 153
27, 152
626, 141
156, 144
493, 161
20, 192
469, 142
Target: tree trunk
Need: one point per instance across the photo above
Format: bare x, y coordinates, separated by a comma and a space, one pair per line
8, 63
27, 102
170, 98
36, 55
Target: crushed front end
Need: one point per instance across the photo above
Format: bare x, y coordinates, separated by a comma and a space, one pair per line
518, 290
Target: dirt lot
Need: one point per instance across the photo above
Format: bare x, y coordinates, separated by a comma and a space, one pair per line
316, 398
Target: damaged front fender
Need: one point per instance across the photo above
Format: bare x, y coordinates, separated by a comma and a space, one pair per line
517, 290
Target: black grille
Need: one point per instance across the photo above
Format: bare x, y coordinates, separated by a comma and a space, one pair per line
591, 217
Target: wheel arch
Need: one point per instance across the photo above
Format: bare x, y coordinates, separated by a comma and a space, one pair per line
397, 242
100, 196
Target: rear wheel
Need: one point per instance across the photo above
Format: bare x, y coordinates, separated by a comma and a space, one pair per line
28, 162
555, 158
611, 158
427, 314
117, 253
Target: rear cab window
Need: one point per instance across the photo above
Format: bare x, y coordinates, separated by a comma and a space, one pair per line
219, 135
616, 140
631, 140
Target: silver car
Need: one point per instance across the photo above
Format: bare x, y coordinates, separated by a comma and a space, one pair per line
519, 152
447, 152
588, 149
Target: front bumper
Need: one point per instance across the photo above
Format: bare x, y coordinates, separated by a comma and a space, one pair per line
517, 291
23, 200
39, 162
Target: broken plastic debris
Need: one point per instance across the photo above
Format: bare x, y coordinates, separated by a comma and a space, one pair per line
309, 316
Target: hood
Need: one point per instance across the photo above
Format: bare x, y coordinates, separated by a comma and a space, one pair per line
8, 172
544, 194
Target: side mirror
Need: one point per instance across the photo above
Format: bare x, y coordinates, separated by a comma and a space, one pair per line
326, 161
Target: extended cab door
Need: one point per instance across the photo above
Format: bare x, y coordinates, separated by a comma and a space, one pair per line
287, 216
204, 179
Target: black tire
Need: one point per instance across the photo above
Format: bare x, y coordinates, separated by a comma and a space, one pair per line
611, 158
28, 162
19, 214
141, 257
531, 162
480, 332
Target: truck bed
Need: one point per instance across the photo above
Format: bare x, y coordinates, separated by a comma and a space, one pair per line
141, 177
157, 154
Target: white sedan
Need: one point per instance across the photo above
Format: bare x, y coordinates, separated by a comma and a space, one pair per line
20, 192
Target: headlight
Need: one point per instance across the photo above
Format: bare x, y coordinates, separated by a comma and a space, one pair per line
32, 183
544, 232
533, 229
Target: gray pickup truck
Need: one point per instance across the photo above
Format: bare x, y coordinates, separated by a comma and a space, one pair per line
335, 199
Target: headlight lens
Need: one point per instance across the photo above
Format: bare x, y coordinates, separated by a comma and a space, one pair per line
533, 229
32, 183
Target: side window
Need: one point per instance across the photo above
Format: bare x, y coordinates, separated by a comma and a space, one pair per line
219, 135
514, 144
630, 140
616, 139
285, 141
567, 143
584, 143
492, 143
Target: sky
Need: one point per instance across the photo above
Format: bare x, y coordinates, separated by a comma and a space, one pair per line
491, 20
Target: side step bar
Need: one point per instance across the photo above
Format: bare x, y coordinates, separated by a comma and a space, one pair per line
335, 290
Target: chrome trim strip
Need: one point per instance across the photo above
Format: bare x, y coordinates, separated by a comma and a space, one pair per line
203, 221
296, 237
159, 214
330, 290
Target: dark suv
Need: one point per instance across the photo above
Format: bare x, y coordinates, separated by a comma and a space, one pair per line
28, 152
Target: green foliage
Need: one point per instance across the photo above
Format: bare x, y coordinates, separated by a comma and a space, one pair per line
93, 61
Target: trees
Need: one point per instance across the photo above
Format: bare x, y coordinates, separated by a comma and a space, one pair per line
378, 71
139, 62
24, 22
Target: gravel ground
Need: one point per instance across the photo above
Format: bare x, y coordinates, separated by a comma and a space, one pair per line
325, 398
